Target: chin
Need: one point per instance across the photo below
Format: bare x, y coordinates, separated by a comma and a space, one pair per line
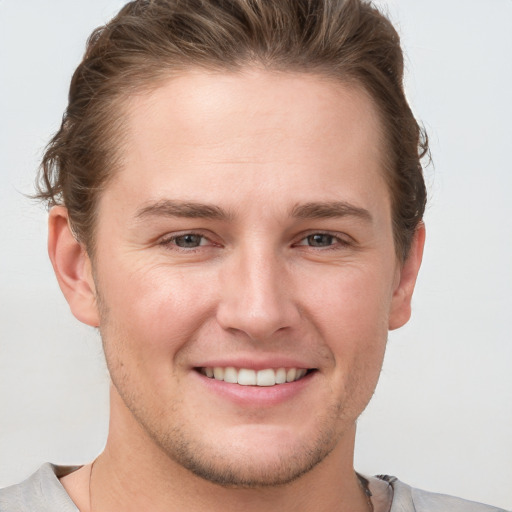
242, 472
254, 457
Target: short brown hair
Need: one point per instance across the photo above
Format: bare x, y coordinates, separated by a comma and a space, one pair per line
149, 40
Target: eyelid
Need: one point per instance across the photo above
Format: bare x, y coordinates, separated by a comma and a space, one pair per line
166, 240
342, 239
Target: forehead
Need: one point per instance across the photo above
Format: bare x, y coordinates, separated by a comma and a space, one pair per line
256, 129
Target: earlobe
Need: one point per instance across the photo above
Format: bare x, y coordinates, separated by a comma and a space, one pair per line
72, 267
401, 302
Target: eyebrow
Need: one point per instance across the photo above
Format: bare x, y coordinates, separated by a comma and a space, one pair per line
330, 210
195, 210
186, 209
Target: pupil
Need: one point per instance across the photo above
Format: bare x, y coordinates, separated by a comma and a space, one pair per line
188, 241
320, 240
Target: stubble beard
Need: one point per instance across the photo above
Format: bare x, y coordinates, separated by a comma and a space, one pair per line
184, 442
184, 446
234, 468
226, 465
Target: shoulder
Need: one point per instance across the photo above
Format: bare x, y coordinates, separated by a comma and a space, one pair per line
410, 499
42, 492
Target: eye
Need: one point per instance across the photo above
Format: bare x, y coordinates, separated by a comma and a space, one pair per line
186, 241
320, 240
189, 240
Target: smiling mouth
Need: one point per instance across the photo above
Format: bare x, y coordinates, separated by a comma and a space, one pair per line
248, 377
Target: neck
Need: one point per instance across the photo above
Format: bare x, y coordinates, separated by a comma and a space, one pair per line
116, 487
133, 473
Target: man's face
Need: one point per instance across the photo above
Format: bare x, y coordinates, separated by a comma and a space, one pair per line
247, 234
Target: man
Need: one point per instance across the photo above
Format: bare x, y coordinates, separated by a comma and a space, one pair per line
237, 202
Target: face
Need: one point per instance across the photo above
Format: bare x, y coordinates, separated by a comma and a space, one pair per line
245, 271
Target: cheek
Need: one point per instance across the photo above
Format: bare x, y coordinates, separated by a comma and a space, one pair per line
350, 312
153, 309
352, 303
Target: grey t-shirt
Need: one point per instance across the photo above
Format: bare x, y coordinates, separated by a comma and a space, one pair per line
42, 492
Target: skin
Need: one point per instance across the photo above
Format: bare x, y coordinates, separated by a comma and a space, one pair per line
260, 288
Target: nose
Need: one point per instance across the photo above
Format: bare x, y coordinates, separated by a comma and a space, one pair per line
257, 296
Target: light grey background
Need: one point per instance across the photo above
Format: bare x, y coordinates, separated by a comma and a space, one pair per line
442, 415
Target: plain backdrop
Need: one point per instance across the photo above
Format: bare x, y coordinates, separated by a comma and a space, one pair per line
441, 417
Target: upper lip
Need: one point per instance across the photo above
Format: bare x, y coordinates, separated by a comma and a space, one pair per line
254, 363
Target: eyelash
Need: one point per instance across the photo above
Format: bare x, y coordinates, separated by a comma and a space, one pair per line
337, 242
170, 242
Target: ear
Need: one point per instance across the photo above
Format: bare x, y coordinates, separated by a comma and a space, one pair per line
400, 311
72, 267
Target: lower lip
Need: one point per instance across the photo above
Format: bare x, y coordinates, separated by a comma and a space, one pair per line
257, 396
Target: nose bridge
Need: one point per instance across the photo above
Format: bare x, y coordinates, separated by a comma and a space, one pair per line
256, 296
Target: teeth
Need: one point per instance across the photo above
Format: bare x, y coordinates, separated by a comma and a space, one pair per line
291, 374
247, 377
281, 376
266, 378
230, 375
300, 373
